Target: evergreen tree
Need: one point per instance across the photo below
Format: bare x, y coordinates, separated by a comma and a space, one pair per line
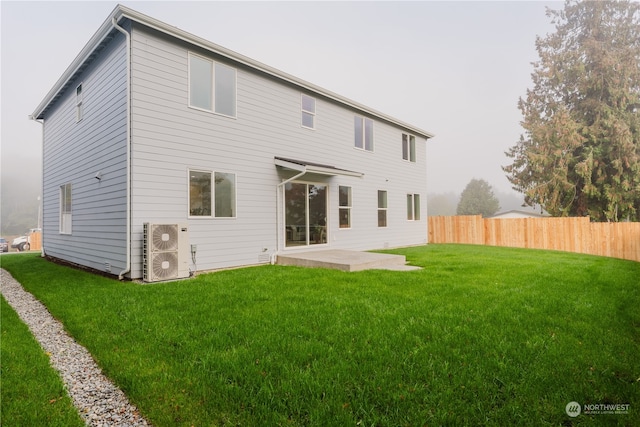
478, 199
580, 153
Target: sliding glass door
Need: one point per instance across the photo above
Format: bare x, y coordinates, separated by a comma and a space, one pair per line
305, 214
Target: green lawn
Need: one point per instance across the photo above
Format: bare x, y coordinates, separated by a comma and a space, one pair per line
480, 336
32, 393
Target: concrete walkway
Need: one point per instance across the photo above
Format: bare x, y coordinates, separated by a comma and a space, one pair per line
344, 260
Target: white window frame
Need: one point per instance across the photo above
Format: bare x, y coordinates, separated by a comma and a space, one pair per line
413, 207
212, 195
408, 147
360, 142
383, 208
346, 208
66, 208
214, 65
79, 103
306, 112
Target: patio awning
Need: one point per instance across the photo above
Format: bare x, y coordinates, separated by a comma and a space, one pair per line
311, 167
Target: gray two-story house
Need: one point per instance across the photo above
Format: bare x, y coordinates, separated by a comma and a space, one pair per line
151, 124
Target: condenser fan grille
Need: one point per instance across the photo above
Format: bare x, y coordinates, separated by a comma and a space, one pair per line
165, 265
165, 252
164, 237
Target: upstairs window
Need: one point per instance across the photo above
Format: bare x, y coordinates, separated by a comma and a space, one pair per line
308, 112
212, 86
408, 147
344, 203
65, 209
79, 103
363, 131
382, 208
225, 90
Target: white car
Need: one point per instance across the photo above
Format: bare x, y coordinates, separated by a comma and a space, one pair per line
22, 243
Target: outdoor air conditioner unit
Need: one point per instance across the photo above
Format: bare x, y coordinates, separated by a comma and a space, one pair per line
165, 252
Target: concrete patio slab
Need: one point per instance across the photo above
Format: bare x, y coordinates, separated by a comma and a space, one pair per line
344, 260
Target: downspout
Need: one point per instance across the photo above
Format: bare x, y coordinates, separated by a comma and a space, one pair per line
281, 215
128, 143
41, 202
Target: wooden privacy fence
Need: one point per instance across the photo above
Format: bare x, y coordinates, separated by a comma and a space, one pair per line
35, 241
611, 239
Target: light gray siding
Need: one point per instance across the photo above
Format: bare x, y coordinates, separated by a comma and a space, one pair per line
168, 138
74, 152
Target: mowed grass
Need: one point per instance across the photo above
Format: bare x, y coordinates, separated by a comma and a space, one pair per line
32, 393
480, 336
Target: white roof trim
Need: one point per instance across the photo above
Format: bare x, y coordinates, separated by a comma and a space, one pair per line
85, 54
121, 12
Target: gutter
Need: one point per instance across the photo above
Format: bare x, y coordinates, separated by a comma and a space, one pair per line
128, 238
41, 207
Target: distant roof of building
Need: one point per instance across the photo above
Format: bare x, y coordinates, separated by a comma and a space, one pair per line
529, 214
107, 31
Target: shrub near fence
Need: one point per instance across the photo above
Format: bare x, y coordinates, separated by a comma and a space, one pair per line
612, 239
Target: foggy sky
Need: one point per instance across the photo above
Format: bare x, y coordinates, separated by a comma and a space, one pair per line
455, 69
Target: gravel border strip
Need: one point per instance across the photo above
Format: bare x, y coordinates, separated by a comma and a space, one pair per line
99, 402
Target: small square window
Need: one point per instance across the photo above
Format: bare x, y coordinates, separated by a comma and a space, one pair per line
363, 133
79, 99
308, 111
408, 147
